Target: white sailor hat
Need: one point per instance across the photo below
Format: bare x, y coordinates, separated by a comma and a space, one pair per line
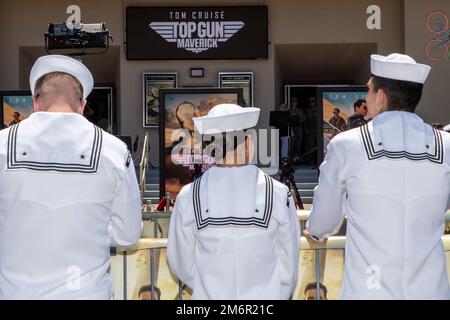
447, 128
399, 67
227, 117
59, 63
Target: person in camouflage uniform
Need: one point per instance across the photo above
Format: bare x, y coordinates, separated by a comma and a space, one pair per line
311, 131
298, 130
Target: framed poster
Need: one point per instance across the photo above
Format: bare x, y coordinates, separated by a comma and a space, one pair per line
294, 90
335, 107
152, 83
242, 80
178, 107
100, 108
16, 106
301, 101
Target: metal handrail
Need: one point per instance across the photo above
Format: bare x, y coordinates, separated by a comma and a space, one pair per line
143, 165
155, 244
334, 242
303, 215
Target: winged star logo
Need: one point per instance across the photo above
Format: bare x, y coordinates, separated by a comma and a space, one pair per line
197, 37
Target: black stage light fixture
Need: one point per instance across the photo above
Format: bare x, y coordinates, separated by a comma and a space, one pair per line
81, 36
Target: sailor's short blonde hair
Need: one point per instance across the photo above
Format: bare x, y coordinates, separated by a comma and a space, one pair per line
58, 86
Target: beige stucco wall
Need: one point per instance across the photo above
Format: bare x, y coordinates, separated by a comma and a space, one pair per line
23, 22
435, 104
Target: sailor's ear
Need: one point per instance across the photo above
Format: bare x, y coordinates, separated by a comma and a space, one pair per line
82, 107
382, 99
35, 104
249, 149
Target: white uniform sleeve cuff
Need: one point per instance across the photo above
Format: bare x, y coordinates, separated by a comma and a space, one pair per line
314, 237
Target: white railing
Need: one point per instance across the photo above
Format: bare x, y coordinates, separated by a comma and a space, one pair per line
155, 245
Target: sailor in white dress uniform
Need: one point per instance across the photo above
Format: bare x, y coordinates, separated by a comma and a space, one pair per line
392, 177
234, 232
68, 192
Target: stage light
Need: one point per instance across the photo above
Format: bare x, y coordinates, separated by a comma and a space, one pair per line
82, 36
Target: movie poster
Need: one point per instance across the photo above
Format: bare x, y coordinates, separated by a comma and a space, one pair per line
178, 108
242, 80
100, 108
337, 107
16, 108
153, 82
